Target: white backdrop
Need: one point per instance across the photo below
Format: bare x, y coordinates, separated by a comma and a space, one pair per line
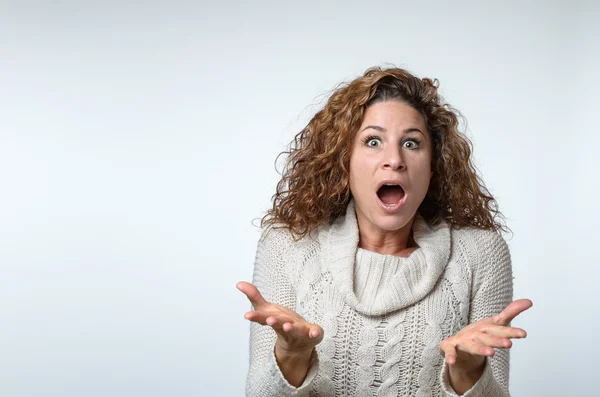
137, 144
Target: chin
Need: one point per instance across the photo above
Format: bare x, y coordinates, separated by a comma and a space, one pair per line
391, 223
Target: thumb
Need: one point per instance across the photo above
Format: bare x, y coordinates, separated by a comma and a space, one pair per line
252, 294
512, 310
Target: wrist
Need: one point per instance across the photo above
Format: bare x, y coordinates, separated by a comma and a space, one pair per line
462, 379
289, 355
469, 369
465, 375
293, 363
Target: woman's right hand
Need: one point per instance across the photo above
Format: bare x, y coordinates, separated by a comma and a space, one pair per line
295, 335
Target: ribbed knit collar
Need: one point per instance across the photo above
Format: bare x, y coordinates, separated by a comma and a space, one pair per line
375, 284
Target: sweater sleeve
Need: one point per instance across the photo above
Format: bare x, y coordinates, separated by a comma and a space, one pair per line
492, 292
272, 278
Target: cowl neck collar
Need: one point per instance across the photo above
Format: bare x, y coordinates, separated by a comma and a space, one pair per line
376, 284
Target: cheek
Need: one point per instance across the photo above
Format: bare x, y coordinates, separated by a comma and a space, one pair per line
423, 176
355, 179
352, 176
358, 176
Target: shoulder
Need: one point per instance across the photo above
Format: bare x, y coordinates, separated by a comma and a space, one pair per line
274, 242
278, 243
278, 237
483, 244
486, 252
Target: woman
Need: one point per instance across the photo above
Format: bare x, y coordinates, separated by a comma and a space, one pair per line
380, 269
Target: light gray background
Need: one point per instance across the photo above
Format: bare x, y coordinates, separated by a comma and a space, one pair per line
137, 143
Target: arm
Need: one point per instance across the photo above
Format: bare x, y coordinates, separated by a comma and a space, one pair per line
492, 292
274, 371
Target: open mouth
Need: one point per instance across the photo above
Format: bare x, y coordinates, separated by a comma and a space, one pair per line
390, 194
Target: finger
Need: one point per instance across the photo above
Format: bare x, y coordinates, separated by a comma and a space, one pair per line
469, 345
266, 318
492, 340
511, 311
257, 317
296, 331
316, 332
252, 293
288, 327
301, 331
277, 322
278, 326
501, 330
449, 351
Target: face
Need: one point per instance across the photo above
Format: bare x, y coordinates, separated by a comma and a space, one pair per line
393, 145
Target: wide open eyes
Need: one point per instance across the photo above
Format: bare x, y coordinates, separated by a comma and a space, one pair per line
375, 142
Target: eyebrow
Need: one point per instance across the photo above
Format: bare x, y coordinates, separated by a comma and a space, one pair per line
381, 129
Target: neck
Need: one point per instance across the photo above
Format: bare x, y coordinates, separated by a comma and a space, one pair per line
398, 242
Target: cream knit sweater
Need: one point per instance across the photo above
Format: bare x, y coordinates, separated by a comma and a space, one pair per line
384, 316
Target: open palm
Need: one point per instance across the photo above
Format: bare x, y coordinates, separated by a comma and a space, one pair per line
295, 333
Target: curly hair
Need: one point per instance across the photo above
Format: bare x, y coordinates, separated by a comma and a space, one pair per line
314, 188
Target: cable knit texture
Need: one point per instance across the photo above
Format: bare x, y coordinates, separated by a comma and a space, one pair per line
384, 316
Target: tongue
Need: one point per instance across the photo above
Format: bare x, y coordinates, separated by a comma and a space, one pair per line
390, 194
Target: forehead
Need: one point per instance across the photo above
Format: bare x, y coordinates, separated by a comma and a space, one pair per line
390, 114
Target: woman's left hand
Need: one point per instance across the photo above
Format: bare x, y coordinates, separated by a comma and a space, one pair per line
465, 352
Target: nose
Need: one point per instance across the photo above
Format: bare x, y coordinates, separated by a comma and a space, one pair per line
393, 158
